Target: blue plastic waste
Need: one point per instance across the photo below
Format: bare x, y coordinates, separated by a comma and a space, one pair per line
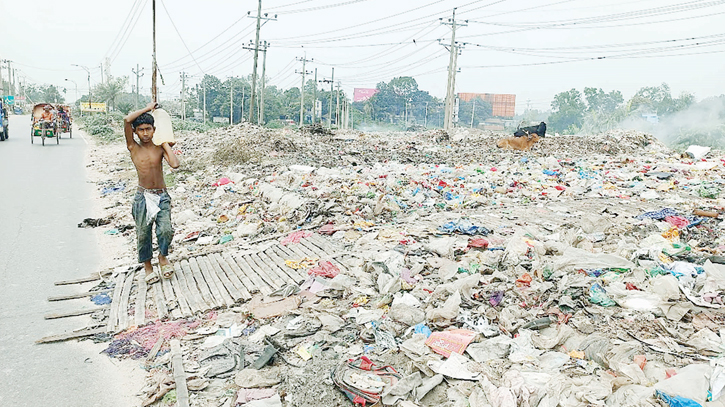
463, 226
101, 299
422, 329
677, 401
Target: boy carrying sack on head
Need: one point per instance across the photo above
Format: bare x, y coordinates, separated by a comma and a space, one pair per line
152, 202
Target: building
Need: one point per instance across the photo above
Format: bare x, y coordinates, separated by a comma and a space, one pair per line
503, 105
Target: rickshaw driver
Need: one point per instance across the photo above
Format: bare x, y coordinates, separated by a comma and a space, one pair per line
46, 119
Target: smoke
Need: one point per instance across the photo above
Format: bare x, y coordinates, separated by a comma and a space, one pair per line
702, 123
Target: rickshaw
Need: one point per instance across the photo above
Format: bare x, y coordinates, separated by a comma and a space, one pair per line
43, 128
65, 121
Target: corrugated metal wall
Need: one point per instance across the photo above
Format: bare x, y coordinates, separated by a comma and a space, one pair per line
503, 105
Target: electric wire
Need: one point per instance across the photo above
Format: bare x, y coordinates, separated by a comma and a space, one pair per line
124, 26
115, 54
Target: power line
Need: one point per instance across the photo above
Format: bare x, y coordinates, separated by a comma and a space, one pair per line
215, 37
362, 24
288, 5
321, 7
117, 51
124, 26
180, 37
643, 13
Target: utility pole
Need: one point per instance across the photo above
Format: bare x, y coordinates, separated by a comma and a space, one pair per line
426, 116
264, 83
304, 61
183, 96
256, 57
203, 85
451, 85
10, 77
138, 74
329, 106
473, 114
241, 116
406, 113
101, 65
5, 90
314, 104
154, 69
231, 102
14, 83
337, 107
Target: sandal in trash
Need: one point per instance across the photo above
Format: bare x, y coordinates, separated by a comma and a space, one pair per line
152, 277
362, 382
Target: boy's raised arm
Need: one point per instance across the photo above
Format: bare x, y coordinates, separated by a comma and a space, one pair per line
128, 130
171, 158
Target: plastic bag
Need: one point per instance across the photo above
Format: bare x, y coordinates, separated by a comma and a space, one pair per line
598, 295
574, 258
691, 382
448, 311
677, 401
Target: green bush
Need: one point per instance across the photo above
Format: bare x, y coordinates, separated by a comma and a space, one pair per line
190, 125
107, 126
275, 124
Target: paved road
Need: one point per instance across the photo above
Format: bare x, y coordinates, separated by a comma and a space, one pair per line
43, 195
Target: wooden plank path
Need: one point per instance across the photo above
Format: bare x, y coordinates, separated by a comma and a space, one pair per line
211, 281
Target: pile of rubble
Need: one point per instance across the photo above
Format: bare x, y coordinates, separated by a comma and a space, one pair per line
588, 271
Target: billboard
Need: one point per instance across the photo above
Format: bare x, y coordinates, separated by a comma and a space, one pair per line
93, 107
503, 105
363, 94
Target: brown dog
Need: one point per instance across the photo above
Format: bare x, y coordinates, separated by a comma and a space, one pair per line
519, 143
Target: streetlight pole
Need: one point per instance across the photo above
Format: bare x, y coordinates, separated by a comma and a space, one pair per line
76, 85
426, 115
89, 82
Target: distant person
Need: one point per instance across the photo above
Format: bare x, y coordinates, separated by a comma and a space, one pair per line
152, 202
64, 116
46, 119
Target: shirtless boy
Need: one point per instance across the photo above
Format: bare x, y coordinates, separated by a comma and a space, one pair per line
152, 201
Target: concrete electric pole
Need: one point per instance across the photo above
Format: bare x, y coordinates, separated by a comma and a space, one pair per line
138, 74
451, 85
329, 105
314, 103
264, 83
183, 95
256, 57
337, 107
304, 61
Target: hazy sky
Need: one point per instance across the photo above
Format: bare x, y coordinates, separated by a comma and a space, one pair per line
530, 48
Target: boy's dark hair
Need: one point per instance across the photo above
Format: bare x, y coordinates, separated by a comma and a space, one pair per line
144, 118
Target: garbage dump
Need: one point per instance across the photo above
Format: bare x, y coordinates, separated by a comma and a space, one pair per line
586, 271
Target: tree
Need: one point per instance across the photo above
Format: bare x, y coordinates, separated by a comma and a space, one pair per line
44, 93
466, 111
567, 112
658, 99
51, 94
110, 90
603, 103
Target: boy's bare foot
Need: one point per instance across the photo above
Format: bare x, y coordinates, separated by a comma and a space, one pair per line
151, 275
167, 270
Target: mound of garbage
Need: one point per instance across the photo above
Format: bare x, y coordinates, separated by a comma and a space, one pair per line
587, 271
